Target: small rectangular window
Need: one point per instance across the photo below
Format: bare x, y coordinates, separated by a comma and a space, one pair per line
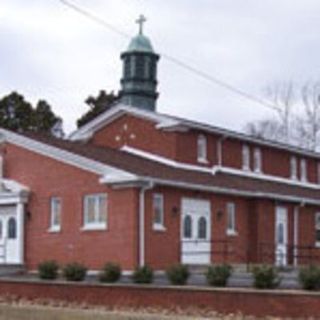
55, 214
158, 212
317, 229
245, 157
202, 148
303, 170
257, 160
95, 211
293, 168
231, 218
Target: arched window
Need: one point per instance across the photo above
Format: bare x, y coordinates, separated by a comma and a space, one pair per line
187, 227
12, 228
202, 228
202, 148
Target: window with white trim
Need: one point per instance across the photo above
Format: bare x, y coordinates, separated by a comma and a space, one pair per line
95, 211
55, 214
158, 212
245, 157
293, 168
231, 218
303, 170
202, 148
317, 229
257, 158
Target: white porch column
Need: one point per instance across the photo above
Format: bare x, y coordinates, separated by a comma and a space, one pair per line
20, 231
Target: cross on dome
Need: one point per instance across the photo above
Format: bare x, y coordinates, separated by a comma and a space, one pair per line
140, 21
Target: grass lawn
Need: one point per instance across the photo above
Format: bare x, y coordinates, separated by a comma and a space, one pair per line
22, 311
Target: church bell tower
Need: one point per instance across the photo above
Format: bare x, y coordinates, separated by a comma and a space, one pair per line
139, 80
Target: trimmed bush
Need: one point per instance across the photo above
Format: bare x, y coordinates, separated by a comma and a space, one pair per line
48, 270
265, 277
143, 275
74, 272
111, 272
178, 274
218, 275
309, 278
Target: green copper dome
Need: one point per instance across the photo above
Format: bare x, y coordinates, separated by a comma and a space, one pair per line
140, 43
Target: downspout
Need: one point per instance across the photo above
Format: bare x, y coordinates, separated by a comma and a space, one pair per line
296, 213
142, 246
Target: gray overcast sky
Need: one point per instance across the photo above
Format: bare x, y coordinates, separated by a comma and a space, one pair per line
48, 51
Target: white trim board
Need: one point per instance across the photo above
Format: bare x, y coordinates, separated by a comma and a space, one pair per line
63, 155
172, 123
216, 169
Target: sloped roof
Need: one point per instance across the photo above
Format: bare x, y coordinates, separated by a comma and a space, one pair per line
165, 174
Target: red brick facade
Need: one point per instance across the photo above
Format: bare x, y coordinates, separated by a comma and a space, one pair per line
253, 241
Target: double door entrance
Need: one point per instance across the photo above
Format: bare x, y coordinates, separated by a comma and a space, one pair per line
195, 232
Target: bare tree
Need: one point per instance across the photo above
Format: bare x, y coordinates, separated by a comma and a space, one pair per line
308, 126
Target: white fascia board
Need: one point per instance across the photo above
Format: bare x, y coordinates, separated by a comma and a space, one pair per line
114, 179
164, 160
14, 186
216, 169
110, 115
61, 155
235, 192
265, 177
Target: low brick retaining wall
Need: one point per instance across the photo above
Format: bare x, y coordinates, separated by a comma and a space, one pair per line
295, 304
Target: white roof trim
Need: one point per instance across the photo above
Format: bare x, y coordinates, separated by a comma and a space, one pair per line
236, 192
218, 190
61, 155
266, 177
171, 123
164, 160
216, 169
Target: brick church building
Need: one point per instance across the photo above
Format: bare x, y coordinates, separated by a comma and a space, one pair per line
138, 187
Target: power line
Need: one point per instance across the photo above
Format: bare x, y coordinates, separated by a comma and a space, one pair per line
174, 60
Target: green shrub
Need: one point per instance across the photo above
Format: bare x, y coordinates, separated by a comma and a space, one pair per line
309, 278
48, 270
265, 277
178, 274
74, 272
143, 275
111, 272
218, 275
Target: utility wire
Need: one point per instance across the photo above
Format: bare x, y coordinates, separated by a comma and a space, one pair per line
176, 61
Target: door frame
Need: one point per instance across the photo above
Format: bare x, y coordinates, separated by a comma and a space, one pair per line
193, 204
281, 250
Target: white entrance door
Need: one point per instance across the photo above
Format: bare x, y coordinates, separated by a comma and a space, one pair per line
195, 232
281, 236
9, 238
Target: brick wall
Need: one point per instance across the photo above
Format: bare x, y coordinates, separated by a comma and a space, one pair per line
46, 178
295, 304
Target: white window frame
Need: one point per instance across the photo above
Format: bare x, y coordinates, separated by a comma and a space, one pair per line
246, 157
202, 149
158, 226
317, 227
96, 225
257, 158
303, 170
53, 207
231, 219
293, 168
